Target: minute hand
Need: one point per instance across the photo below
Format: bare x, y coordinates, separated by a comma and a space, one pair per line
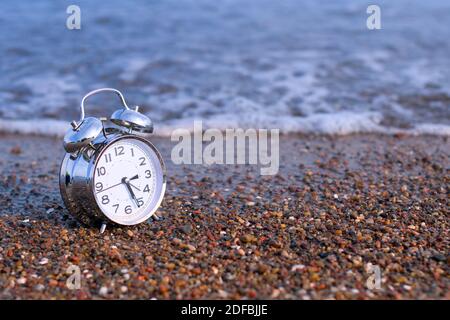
125, 181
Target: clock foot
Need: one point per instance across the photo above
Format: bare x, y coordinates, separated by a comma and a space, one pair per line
154, 217
103, 228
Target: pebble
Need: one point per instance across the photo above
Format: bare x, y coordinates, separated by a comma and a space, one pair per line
190, 247
275, 294
103, 291
186, 229
439, 258
297, 267
39, 287
305, 233
222, 294
249, 238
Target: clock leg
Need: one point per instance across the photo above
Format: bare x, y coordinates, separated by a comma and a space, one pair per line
154, 217
103, 228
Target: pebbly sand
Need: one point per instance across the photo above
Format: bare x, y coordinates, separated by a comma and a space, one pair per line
337, 204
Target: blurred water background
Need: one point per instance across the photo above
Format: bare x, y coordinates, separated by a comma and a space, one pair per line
300, 66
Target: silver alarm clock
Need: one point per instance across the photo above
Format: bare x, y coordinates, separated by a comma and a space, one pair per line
111, 173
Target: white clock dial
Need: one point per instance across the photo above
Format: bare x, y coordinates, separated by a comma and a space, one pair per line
128, 181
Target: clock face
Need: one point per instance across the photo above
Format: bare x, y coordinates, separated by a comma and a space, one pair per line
128, 181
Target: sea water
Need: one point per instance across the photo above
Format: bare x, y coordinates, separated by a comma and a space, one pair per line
298, 66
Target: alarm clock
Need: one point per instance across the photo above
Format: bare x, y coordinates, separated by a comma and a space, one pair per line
111, 172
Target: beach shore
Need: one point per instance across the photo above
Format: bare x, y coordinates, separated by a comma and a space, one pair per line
336, 205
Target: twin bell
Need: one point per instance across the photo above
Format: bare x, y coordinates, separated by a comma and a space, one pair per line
88, 129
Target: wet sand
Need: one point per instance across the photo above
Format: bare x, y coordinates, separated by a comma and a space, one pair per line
337, 204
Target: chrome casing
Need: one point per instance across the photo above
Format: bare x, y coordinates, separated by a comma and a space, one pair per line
77, 176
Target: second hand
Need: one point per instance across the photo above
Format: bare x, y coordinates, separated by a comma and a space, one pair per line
109, 187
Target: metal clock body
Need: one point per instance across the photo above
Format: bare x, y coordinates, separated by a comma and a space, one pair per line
112, 174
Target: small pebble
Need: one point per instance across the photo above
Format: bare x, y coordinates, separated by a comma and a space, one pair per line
39, 287
186, 229
297, 267
190, 247
230, 233
103, 291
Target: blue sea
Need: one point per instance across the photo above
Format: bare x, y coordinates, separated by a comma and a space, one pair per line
299, 66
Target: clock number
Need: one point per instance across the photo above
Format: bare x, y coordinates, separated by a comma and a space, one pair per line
146, 189
142, 161
119, 150
108, 157
148, 174
128, 209
99, 186
132, 152
140, 201
105, 199
101, 171
117, 207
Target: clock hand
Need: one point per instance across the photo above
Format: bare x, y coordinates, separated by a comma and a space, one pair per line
133, 178
134, 186
125, 181
109, 187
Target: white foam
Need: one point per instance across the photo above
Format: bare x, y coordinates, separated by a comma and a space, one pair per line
433, 129
44, 127
236, 70
342, 123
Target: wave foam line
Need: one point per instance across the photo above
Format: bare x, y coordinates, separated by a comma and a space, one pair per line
44, 127
342, 123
